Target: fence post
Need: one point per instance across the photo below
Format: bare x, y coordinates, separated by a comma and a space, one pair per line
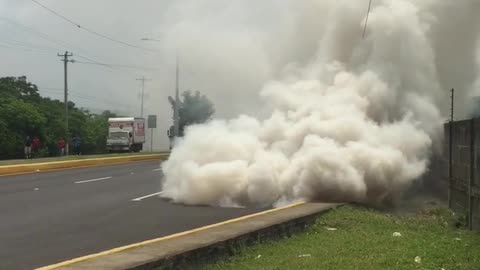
450, 163
472, 173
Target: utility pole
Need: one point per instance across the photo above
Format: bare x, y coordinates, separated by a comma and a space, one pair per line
450, 149
65, 62
176, 116
143, 79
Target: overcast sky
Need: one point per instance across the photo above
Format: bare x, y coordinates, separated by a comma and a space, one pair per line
227, 50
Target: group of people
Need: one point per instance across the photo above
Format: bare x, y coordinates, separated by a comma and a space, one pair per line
32, 146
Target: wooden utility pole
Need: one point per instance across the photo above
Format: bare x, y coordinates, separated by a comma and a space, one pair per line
65, 61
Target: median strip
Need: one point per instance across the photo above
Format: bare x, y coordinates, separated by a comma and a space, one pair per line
93, 180
191, 248
80, 163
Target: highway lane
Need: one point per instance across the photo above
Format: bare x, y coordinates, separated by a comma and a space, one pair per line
48, 217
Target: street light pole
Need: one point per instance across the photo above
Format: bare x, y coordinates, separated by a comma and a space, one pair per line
149, 39
176, 113
143, 79
176, 116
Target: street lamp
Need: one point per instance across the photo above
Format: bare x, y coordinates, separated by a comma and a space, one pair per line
149, 39
176, 115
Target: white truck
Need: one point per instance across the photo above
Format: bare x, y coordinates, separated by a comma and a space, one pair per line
126, 134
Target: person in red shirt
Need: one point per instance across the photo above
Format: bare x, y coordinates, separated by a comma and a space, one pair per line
61, 146
35, 145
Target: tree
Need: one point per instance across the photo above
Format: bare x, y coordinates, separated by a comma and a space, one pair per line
19, 88
95, 133
195, 108
18, 120
23, 112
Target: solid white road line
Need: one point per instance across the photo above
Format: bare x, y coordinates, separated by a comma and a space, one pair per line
146, 196
93, 180
159, 169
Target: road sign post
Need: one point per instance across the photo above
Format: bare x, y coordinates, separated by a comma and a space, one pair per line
152, 123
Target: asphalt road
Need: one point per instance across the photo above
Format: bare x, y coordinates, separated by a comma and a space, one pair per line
48, 217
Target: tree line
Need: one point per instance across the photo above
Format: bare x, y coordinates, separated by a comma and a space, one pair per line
24, 112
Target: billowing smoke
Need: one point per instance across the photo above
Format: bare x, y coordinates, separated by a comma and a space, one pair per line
357, 123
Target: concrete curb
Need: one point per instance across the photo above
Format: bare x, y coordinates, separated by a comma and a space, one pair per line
55, 165
189, 250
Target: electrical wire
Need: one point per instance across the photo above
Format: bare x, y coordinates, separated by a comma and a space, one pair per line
60, 92
93, 32
8, 46
62, 45
366, 20
115, 65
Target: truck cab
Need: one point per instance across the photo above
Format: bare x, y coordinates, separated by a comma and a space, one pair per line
118, 141
125, 134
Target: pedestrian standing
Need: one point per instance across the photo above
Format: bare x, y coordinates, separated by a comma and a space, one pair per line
28, 147
61, 146
130, 141
77, 141
35, 145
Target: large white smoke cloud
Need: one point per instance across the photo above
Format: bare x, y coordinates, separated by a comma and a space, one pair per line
357, 123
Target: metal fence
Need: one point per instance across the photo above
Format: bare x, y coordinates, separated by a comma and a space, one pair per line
463, 168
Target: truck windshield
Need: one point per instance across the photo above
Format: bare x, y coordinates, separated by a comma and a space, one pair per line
118, 135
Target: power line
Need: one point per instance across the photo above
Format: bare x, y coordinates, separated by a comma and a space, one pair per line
59, 91
88, 29
62, 44
7, 46
366, 20
50, 90
65, 45
92, 62
16, 43
116, 65
44, 36
110, 66
56, 13
95, 99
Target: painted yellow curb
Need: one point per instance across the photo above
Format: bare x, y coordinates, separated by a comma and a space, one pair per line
172, 236
55, 165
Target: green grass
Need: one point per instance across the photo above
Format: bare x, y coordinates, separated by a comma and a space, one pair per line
363, 240
72, 157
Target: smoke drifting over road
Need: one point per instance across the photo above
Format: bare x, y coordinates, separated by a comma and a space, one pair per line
357, 123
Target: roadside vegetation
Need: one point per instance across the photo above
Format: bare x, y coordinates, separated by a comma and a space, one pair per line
352, 237
24, 112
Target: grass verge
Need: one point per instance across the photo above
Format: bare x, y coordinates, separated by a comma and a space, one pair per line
352, 237
72, 157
